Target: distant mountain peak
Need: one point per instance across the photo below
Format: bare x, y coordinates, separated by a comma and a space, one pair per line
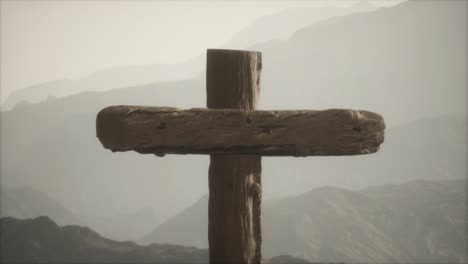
25, 202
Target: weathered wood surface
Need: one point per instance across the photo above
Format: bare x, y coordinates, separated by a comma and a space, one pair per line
234, 205
162, 130
236, 139
234, 213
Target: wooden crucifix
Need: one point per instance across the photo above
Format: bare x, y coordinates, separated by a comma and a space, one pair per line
236, 136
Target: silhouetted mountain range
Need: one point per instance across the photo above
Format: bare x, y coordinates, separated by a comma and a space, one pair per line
276, 26
127, 226
25, 202
29, 203
402, 62
41, 240
284, 24
415, 222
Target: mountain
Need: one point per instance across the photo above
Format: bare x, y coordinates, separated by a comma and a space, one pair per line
284, 24
42, 240
406, 62
336, 225
102, 80
415, 222
179, 232
128, 226
65, 160
280, 25
26, 202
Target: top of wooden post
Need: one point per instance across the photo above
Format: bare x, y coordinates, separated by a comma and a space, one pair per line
222, 70
231, 126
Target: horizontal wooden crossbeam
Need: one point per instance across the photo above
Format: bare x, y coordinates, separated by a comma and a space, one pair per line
166, 130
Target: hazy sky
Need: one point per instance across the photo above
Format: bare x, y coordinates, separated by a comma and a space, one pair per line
50, 40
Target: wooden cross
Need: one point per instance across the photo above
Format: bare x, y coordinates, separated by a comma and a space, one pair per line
236, 136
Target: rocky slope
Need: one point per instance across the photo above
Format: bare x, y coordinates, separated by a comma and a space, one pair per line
42, 240
29, 203
416, 222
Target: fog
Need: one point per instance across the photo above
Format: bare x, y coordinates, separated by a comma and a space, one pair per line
55, 40
61, 62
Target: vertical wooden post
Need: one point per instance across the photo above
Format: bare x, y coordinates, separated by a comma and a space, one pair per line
234, 220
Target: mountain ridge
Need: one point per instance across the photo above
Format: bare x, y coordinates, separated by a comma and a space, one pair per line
41, 240
423, 221
26, 202
279, 25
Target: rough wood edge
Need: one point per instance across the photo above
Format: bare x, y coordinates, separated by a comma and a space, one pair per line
366, 137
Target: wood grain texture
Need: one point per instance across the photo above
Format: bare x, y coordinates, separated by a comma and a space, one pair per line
236, 136
234, 213
162, 130
234, 205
